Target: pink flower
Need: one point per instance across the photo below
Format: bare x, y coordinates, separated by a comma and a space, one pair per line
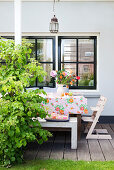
53, 73
66, 73
57, 108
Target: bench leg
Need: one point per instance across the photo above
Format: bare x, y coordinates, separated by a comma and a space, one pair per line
74, 137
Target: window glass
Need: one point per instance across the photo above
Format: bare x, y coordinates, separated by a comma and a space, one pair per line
69, 67
86, 73
44, 50
68, 50
48, 81
86, 50
33, 53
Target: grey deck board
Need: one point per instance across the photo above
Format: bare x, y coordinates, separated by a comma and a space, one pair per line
109, 129
69, 154
83, 150
106, 145
112, 135
31, 151
95, 151
58, 146
30, 155
107, 149
112, 141
45, 149
112, 127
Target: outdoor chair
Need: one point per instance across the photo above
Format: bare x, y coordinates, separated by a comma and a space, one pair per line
93, 133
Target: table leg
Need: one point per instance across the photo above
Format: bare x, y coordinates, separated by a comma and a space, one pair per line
79, 123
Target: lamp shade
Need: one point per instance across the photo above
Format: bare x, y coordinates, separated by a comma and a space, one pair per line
54, 25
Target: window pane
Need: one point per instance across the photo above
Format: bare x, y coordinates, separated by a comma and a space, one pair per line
48, 81
68, 50
44, 50
69, 67
32, 41
86, 50
86, 73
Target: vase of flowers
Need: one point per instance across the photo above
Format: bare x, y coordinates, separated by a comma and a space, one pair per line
64, 77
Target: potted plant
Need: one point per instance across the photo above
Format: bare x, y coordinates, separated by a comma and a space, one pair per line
64, 77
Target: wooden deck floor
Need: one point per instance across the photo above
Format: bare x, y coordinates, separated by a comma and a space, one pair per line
59, 147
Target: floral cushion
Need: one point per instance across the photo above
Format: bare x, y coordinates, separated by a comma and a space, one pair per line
57, 117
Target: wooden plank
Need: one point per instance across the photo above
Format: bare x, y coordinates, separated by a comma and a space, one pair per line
111, 132
30, 154
83, 150
58, 146
112, 127
107, 145
112, 140
45, 149
107, 149
31, 151
69, 154
79, 125
112, 135
95, 151
109, 129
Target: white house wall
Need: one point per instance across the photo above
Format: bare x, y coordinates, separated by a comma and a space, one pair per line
81, 17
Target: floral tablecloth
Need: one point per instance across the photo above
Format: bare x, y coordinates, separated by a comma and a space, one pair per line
66, 105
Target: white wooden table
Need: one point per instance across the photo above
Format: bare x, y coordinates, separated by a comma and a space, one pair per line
72, 123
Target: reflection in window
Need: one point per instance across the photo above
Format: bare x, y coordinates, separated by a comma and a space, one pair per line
43, 51
79, 55
86, 50
86, 73
68, 50
32, 41
48, 81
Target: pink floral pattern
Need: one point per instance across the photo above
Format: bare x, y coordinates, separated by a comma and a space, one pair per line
66, 105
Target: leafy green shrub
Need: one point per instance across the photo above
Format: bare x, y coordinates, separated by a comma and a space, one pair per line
17, 105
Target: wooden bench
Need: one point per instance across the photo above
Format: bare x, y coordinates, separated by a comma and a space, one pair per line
72, 124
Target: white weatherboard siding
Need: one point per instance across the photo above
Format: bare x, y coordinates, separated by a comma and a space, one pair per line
73, 17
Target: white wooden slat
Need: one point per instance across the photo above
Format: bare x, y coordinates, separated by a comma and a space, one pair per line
17, 16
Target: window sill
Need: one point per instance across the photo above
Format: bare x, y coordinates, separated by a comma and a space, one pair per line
88, 93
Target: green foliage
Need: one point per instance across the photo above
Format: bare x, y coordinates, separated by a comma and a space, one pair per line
86, 80
17, 105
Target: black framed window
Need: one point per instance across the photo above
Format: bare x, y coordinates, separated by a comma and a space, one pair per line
79, 55
43, 49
